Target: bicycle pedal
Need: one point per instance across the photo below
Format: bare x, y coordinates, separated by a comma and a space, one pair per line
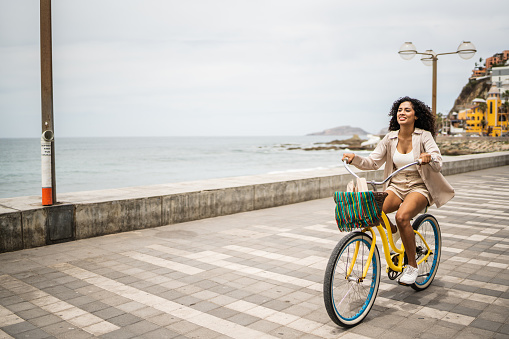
393, 274
390, 272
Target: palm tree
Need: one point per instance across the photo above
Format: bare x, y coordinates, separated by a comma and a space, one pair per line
483, 124
505, 96
505, 105
483, 108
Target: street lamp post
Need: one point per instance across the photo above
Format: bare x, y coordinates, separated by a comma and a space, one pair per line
466, 50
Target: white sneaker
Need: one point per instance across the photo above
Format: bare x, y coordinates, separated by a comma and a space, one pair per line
409, 275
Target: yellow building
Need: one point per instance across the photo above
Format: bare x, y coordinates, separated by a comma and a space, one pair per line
495, 117
474, 117
486, 117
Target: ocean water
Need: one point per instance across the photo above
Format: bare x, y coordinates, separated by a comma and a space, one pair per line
84, 164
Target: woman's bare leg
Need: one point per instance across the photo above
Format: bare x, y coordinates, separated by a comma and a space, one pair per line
411, 206
391, 204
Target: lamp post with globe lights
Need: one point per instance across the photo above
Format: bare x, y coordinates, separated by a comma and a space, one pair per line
465, 50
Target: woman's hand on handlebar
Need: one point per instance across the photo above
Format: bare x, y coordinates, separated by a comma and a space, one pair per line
425, 158
348, 157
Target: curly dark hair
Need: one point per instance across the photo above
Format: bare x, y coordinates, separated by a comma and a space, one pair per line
425, 118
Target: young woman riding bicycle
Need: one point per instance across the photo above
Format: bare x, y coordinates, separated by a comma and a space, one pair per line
412, 127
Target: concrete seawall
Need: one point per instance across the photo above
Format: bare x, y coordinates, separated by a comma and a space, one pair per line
25, 223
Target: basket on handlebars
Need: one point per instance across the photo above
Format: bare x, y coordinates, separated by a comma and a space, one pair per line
358, 209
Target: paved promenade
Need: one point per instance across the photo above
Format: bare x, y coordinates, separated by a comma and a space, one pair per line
259, 275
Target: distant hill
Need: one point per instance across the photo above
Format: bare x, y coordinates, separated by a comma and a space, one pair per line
473, 89
342, 130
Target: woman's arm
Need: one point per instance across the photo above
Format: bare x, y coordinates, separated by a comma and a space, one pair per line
375, 160
431, 148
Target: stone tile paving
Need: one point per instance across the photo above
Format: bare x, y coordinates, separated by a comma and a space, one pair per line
259, 275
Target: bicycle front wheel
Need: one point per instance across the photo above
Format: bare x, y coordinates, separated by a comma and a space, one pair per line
348, 296
428, 227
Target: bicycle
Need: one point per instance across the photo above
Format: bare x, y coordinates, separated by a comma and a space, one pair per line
352, 276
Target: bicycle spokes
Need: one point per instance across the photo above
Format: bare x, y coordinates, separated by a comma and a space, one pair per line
349, 288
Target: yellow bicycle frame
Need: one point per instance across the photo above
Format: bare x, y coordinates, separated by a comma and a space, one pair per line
386, 243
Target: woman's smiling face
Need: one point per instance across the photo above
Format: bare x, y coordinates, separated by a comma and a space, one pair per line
406, 114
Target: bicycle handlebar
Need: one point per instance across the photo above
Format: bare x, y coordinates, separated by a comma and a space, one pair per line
373, 182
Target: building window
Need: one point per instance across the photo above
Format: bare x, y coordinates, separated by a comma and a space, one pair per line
491, 108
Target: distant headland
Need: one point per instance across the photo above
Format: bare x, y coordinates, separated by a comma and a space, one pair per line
342, 130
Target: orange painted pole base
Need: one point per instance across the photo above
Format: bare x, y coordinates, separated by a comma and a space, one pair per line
46, 169
47, 196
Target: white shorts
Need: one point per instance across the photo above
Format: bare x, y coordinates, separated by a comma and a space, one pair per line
406, 182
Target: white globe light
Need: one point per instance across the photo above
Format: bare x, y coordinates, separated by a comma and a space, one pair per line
427, 57
466, 50
407, 51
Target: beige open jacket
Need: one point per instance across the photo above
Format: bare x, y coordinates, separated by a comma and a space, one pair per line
422, 141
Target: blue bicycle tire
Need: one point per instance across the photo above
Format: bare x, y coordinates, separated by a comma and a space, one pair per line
427, 225
348, 301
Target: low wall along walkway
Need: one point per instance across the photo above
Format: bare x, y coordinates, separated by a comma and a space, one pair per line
25, 223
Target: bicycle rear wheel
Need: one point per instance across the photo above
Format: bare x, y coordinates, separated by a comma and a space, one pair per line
428, 227
349, 298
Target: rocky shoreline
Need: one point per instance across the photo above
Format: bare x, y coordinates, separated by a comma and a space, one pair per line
353, 144
448, 145
469, 145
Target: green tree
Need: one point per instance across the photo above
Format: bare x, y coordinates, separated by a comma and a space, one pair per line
505, 96
483, 108
483, 124
505, 104
505, 107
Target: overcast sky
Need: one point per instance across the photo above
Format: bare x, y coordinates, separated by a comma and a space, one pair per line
234, 67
